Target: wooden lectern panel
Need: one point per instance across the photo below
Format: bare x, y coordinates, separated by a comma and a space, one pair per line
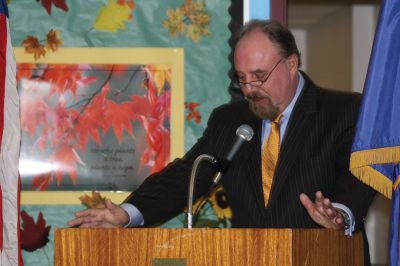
158, 246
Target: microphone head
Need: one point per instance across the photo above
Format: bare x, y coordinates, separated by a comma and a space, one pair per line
245, 132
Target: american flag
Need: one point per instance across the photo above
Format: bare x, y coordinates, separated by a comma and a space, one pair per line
9, 149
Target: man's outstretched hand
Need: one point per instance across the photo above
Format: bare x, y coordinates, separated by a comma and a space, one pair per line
110, 216
322, 211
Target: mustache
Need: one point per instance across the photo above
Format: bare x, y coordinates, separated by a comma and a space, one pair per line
256, 95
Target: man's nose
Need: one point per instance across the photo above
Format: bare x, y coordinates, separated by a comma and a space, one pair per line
246, 88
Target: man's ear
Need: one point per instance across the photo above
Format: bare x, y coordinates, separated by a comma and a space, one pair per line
293, 62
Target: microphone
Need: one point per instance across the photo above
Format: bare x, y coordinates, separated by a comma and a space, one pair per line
244, 133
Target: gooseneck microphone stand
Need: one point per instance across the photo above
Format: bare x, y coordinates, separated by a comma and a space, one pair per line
192, 184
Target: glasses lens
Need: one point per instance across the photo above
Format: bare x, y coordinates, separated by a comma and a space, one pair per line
236, 83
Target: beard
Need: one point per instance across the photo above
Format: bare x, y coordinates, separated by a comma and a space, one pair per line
262, 106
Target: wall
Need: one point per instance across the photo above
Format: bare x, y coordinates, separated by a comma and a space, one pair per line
329, 51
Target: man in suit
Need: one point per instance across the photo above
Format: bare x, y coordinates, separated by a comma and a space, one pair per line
310, 128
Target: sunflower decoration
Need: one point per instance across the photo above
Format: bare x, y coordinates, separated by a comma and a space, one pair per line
220, 204
212, 211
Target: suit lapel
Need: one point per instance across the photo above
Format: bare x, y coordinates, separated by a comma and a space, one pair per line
300, 122
254, 164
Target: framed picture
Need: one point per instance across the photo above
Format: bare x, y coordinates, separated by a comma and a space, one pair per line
99, 118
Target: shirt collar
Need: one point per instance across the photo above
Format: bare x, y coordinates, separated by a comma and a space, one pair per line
288, 110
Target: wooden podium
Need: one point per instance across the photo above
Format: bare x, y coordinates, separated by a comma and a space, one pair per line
157, 246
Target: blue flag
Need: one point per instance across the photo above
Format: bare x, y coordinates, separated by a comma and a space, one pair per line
3, 8
375, 157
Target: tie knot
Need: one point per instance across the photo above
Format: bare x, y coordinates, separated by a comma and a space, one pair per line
277, 120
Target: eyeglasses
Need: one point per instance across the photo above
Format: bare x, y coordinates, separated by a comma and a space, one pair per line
259, 82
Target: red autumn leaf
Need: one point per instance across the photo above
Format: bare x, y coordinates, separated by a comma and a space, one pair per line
140, 106
86, 81
43, 139
88, 124
191, 105
193, 113
65, 160
25, 71
158, 139
163, 152
47, 4
63, 78
40, 182
118, 116
151, 87
91, 119
159, 109
33, 235
162, 106
33, 113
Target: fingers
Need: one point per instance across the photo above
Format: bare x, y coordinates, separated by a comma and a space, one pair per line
110, 205
74, 222
87, 218
307, 203
322, 211
87, 221
339, 221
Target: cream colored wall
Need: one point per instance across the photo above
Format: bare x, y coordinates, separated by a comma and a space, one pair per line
329, 51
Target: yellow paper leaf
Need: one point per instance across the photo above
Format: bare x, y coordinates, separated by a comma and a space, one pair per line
94, 201
112, 17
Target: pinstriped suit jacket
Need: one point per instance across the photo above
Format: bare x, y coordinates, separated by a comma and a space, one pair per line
314, 156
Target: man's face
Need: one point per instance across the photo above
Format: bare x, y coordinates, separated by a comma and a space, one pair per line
258, 59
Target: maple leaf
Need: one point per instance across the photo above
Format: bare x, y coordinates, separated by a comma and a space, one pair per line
187, 7
65, 159
33, 235
94, 201
47, 4
91, 118
195, 32
162, 107
54, 40
162, 136
87, 125
63, 78
193, 113
33, 46
33, 112
41, 181
175, 22
25, 70
62, 124
190, 18
118, 116
112, 17
156, 154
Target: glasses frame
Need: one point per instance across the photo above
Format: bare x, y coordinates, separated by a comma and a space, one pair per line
259, 82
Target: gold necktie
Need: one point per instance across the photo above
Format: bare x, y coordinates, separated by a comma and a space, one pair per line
270, 155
